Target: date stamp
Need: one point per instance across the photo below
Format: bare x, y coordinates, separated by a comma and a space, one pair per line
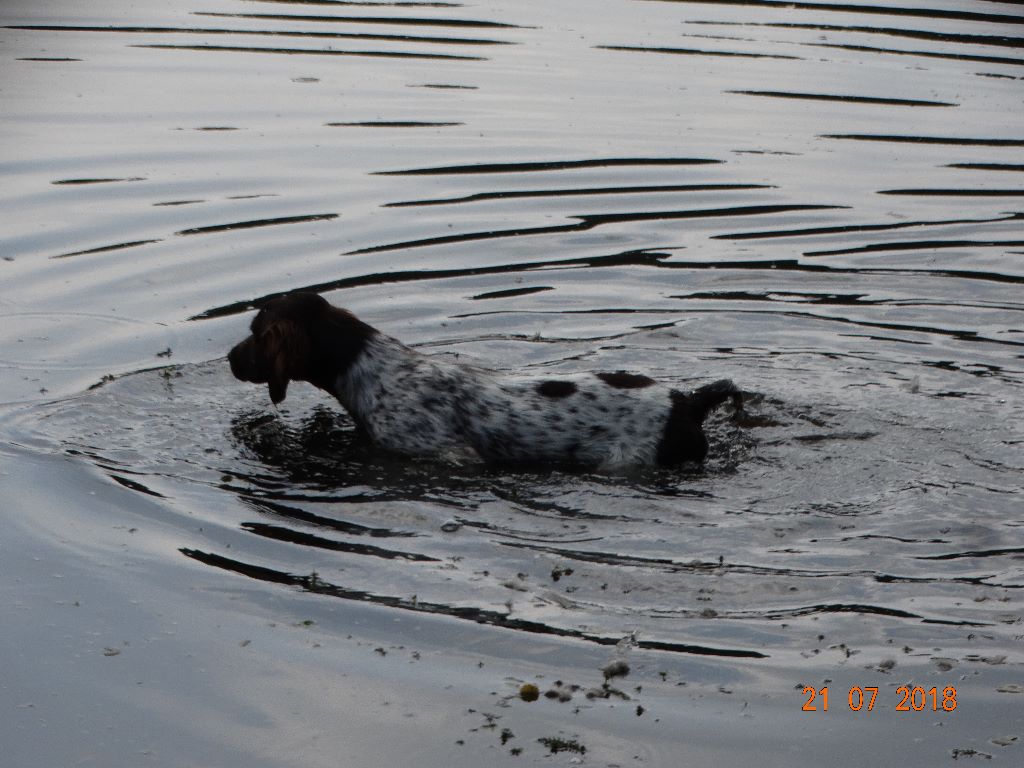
866, 699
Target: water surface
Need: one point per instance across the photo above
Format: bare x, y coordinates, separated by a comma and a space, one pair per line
821, 201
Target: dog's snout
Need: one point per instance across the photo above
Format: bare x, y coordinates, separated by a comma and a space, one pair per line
241, 360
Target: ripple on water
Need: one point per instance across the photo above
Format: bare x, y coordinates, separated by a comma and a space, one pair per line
804, 510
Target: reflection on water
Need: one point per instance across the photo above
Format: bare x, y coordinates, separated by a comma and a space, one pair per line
820, 201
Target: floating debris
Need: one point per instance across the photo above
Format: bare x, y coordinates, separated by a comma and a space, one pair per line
617, 668
529, 692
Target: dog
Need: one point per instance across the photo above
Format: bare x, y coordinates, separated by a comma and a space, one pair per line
418, 405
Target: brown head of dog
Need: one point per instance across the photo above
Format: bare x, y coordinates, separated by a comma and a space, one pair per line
298, 337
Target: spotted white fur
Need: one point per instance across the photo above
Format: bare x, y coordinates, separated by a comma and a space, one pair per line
421, 405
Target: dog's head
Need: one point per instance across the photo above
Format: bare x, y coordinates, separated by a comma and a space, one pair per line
298, 337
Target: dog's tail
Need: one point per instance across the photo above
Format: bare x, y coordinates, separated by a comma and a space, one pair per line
712, 395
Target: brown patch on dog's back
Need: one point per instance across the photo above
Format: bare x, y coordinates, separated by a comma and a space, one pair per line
555, 388
623, 380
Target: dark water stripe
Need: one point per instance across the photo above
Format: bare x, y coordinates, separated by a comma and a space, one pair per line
582, 191
942, 140
315, 584
368, 4
101, 461
900, 539
179, 202
955, 192
925, 54
258, 223
105, 248
134, 485
591, 221
313, 52
924, 13
264, 32
832, 299
848, 228
552, 165
843, 436
874, 610
97, 181
791, 297
987, 166
290, 536
355, 3
848, 99
447, 86
396, 20
277, 509
913, 34
1015, 552
918, 245
859, 608
511, 292
695, 52
47, 58
797, 266
392, 124
781, 614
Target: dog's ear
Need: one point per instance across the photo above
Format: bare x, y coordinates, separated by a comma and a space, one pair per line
286, 350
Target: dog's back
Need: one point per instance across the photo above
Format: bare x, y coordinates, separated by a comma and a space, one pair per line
420, 405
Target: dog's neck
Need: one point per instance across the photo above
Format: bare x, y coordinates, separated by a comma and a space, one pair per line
358, 384
340, 341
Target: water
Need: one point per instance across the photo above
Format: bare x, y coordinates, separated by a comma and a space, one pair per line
821, 202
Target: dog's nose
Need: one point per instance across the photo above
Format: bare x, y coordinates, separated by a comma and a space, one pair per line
238, 358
